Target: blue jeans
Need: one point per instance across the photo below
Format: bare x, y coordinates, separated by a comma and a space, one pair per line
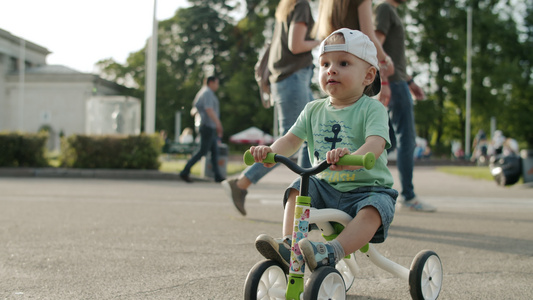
290, 97
403, 122
208, 142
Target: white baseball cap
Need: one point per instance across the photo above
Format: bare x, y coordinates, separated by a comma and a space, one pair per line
360, 45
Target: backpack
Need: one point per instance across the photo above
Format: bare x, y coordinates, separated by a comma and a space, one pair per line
261, 76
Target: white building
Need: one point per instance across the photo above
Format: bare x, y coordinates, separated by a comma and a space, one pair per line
52, 96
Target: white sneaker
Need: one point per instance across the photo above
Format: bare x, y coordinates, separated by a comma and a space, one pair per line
416, 204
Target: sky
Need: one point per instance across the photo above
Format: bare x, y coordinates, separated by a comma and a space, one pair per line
79, 33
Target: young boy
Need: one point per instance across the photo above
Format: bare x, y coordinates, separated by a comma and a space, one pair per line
348, 121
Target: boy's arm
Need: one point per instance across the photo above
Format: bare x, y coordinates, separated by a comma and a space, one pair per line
373, 143
287, 145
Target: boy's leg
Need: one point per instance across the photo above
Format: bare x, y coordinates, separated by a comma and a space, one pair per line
288, 215
356, 235
360, 230
280, 249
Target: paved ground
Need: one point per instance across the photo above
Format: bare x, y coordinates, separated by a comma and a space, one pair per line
86, 236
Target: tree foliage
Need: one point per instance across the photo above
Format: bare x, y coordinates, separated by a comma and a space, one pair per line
199, 41
501, 66
205, 39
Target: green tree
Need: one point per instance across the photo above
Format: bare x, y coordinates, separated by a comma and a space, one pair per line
433, 42
438, 37
519, 111
241, 105
202, 40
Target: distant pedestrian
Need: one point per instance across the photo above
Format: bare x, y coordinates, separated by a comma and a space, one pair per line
207, 107
391, 33
497, 141
480, 148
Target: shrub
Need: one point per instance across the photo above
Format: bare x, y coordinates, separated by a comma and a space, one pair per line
111, 152
23, 149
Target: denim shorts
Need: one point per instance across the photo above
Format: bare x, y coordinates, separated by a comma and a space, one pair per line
325, 196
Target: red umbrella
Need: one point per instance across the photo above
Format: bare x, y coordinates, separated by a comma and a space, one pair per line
252, 135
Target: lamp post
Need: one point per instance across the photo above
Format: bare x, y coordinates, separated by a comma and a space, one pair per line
468, 79
150, 80
22, 73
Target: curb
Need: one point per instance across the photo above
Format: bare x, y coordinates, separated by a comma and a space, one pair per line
92, 173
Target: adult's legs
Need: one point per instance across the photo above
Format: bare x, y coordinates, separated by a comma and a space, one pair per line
403, 122
290, 97
206, 142
214, 158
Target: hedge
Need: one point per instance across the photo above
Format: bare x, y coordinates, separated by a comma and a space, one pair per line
23, 149
111, 152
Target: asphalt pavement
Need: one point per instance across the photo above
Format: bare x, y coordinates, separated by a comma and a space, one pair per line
144, 235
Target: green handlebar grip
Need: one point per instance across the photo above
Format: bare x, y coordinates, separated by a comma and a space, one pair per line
249, 158
368, 160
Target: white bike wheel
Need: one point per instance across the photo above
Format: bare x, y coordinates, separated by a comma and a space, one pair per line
425, 277
346, 272
325, 283
265, 281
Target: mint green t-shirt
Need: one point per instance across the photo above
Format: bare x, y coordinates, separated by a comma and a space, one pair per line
325, 128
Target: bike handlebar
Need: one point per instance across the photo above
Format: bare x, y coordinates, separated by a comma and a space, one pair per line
367, 161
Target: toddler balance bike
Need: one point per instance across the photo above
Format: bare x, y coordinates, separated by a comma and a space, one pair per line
267, 280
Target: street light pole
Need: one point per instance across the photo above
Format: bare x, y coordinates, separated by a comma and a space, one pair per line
150, 81
468, 79
22, 73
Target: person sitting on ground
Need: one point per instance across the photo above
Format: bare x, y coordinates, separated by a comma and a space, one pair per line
349, 121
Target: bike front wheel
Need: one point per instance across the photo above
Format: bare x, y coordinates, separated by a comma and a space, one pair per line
325, 283
265, 281
344, 269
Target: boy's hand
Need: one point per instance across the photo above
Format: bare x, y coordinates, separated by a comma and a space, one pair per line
332, 157
260, 153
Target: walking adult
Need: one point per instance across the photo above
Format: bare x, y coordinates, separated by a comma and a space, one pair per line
291, 65
206, 105
391, 34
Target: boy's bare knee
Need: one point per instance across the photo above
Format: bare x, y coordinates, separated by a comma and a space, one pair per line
291, 198
293, 194
370, 212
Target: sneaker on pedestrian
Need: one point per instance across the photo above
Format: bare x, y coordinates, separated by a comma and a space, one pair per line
186, 178
278, 250
236, 194
317, 254
416, 204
